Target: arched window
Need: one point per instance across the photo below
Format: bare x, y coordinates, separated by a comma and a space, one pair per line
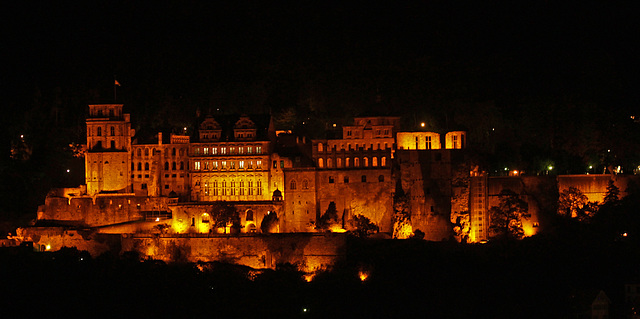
320, 148
366, 162
374, 161
305, 184
363, 178
139, 166
292, 185
139, 152
329, 162
173, 166
166, 166
320, 163
99, 131
146, 152
381, 178
346, 162
339, 163
383, 161
113, 131
181, 165
356, 162
113, 144
173, 151
249, 216
146, 166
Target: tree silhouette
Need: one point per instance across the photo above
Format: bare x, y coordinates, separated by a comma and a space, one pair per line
506, 218
330, 217
223, 214
575, 204
362, 226
613, 194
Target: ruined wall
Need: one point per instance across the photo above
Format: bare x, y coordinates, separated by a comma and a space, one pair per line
55, 238
367, 192
299, 200
99, 210
309, 251
427, 180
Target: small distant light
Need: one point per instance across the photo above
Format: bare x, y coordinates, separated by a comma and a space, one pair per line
21, 136
81, 258
304, 309
334, 125
68, 170
422, 124
590, 166
493, 128
550, 167
185, 128
608, 151
48, 247
624, 235
157, 219
506, 168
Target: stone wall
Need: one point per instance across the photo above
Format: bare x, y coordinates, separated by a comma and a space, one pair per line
98, 210
308, 251
371, 196
55, 238
594, 186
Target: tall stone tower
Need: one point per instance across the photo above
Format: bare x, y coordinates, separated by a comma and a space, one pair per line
108, 158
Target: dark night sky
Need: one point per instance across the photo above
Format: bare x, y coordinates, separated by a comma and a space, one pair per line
210, 53
546, 68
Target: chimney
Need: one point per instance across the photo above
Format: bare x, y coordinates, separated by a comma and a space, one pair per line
159, 138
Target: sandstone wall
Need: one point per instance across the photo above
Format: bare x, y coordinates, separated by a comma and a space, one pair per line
309, 251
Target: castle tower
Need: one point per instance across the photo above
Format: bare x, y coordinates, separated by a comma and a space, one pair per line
108, 160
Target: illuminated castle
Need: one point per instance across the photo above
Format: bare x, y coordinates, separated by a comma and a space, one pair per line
173, 186
243, 161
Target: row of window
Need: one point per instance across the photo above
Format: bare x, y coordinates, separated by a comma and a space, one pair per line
231, 188
173, 152
224, 150
356, 162
112, 131
385, 132
174, 166
224, 165
363, 179
363, 146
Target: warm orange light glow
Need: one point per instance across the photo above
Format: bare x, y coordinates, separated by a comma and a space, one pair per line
363, 275
309, 277
335, 228
48, 247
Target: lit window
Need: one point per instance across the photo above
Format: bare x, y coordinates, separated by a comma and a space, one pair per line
223, 150
241, 164
249, 149
258, 149
214, 150
258, 163
320, 163
374, 161
292, 185
196, 165
383, 161
206, 150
